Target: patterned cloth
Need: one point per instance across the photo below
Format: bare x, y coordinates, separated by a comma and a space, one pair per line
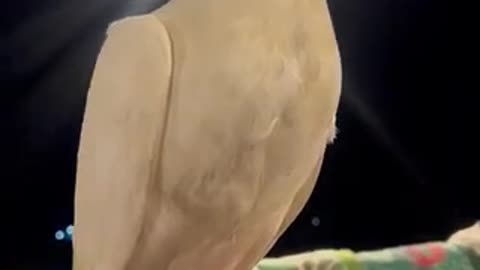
431, 256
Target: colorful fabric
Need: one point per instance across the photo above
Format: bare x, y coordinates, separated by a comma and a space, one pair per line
431, 256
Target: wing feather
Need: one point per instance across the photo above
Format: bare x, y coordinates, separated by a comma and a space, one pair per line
120, 142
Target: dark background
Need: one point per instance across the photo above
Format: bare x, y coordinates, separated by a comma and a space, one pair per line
401, 171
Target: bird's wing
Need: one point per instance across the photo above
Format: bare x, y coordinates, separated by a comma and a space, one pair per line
121, 133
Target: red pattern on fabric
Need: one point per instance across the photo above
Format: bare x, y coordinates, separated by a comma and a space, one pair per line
427, 256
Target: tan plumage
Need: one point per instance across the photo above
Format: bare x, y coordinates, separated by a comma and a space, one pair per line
204, 132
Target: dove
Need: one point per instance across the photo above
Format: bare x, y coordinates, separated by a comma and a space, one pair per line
204, 132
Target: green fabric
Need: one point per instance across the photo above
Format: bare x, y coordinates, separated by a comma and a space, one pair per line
348, 259
430, 256
433, 256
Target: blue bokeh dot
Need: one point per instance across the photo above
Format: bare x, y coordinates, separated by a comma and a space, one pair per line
59, 235
69, 229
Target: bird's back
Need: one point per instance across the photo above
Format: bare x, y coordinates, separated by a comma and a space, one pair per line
252, 108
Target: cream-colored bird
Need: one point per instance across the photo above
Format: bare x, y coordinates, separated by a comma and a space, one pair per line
204, 132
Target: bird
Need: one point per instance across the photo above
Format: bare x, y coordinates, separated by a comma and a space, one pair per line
204, 132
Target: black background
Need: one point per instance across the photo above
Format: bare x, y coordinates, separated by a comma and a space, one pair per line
402, 170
